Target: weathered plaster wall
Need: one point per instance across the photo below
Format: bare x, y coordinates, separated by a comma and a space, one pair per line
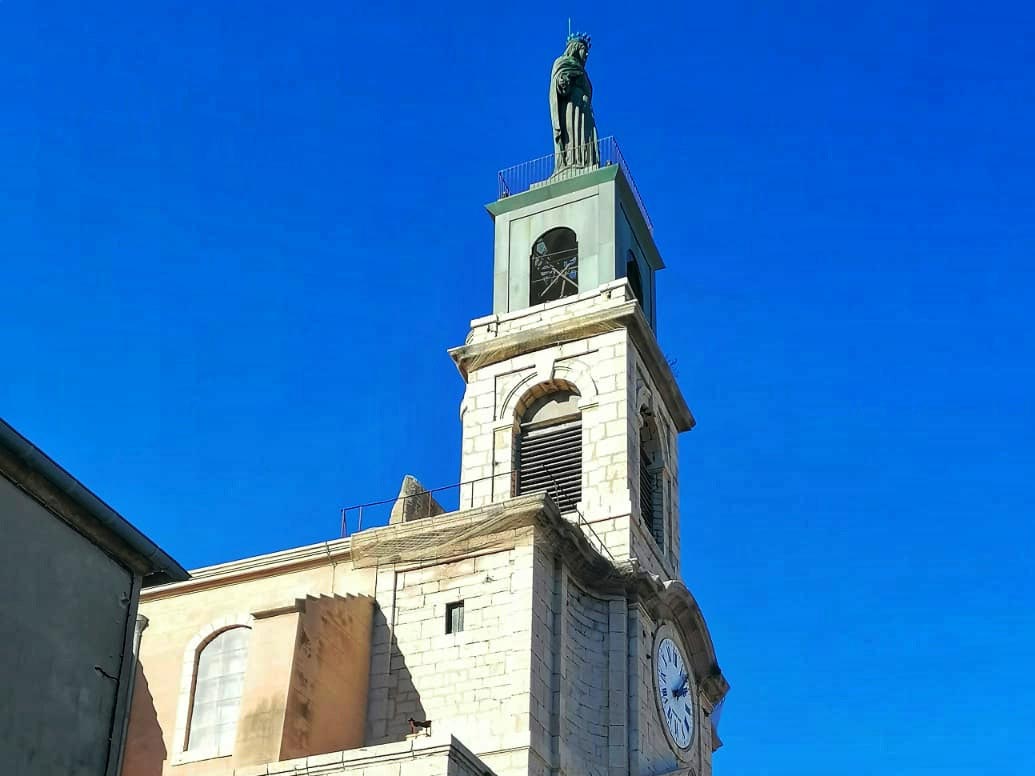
267, 678
180, 615
326, 708
64, 625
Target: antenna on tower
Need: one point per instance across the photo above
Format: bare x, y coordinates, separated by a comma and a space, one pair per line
569, 26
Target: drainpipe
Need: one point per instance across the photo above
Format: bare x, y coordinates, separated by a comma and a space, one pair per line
138, 632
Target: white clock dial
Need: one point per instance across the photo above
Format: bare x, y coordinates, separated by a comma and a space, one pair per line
675, 685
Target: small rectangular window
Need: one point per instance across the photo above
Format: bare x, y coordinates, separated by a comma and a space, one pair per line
455, 617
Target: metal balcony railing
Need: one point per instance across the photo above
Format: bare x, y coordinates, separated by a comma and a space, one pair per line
444, 500
528, 175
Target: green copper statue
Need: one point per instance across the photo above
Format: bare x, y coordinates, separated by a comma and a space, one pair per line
571, 108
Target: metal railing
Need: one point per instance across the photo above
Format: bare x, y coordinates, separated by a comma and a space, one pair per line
549, 169
443, 500
449, 498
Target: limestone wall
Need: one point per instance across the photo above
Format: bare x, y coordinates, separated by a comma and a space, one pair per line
596, 367
475, 683
642, 391
652, 752
614, 385
580, 681
584, 724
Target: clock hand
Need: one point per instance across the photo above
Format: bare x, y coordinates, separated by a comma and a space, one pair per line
562, 274
558, 275
681, 688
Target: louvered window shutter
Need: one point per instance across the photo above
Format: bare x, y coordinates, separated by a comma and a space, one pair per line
550, 458
649, 498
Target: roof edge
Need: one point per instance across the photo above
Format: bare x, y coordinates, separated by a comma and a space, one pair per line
35, 472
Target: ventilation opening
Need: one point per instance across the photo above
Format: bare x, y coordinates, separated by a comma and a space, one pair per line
649, 498
632, 274
652, 481
550, 459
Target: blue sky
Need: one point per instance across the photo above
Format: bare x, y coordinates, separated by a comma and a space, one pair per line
236, 242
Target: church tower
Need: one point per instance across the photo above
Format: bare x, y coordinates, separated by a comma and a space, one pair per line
536, 627
568, 390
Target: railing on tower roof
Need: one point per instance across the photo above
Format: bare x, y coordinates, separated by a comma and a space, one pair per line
537, 172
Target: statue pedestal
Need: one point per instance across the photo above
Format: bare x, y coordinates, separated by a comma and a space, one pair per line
564, 174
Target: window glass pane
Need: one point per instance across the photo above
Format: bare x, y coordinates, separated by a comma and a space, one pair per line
217, 692
455, 617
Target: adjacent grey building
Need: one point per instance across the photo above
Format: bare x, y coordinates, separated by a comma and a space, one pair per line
73, 569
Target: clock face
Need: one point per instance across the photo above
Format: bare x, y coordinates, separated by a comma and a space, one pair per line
554, 266
553, 277
675, 687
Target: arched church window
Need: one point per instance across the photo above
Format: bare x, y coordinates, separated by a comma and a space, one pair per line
549, 449
216, 695
652, 492
632, 274
554, 266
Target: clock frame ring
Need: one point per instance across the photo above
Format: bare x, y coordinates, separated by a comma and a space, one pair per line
668, 636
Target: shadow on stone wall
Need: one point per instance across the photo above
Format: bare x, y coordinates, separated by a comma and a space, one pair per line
145, 747
392, 698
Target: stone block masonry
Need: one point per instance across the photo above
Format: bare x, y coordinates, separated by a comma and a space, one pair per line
474, 682
617, 391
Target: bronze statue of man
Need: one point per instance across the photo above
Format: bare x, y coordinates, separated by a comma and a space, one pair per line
571, 108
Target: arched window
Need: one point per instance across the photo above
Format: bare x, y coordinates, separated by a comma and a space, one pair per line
549, 449
553, 271
216, 695
632, 274
652, 493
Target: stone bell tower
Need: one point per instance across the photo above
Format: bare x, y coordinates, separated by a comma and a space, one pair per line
567, 388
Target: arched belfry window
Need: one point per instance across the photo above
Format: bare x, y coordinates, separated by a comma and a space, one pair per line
549, 449
217, 690
553, 271
652, 493
632, 274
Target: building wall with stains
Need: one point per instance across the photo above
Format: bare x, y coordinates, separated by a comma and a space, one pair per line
64, 627
306, 674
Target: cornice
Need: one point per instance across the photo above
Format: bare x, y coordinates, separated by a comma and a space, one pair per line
457, 535
333, 551
626, 314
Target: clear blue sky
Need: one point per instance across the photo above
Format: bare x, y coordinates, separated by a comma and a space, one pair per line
236, 240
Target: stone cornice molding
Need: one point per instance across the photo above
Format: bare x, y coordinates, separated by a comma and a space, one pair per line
402, 754
297, 558
627, 314
492, 528
662, 599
